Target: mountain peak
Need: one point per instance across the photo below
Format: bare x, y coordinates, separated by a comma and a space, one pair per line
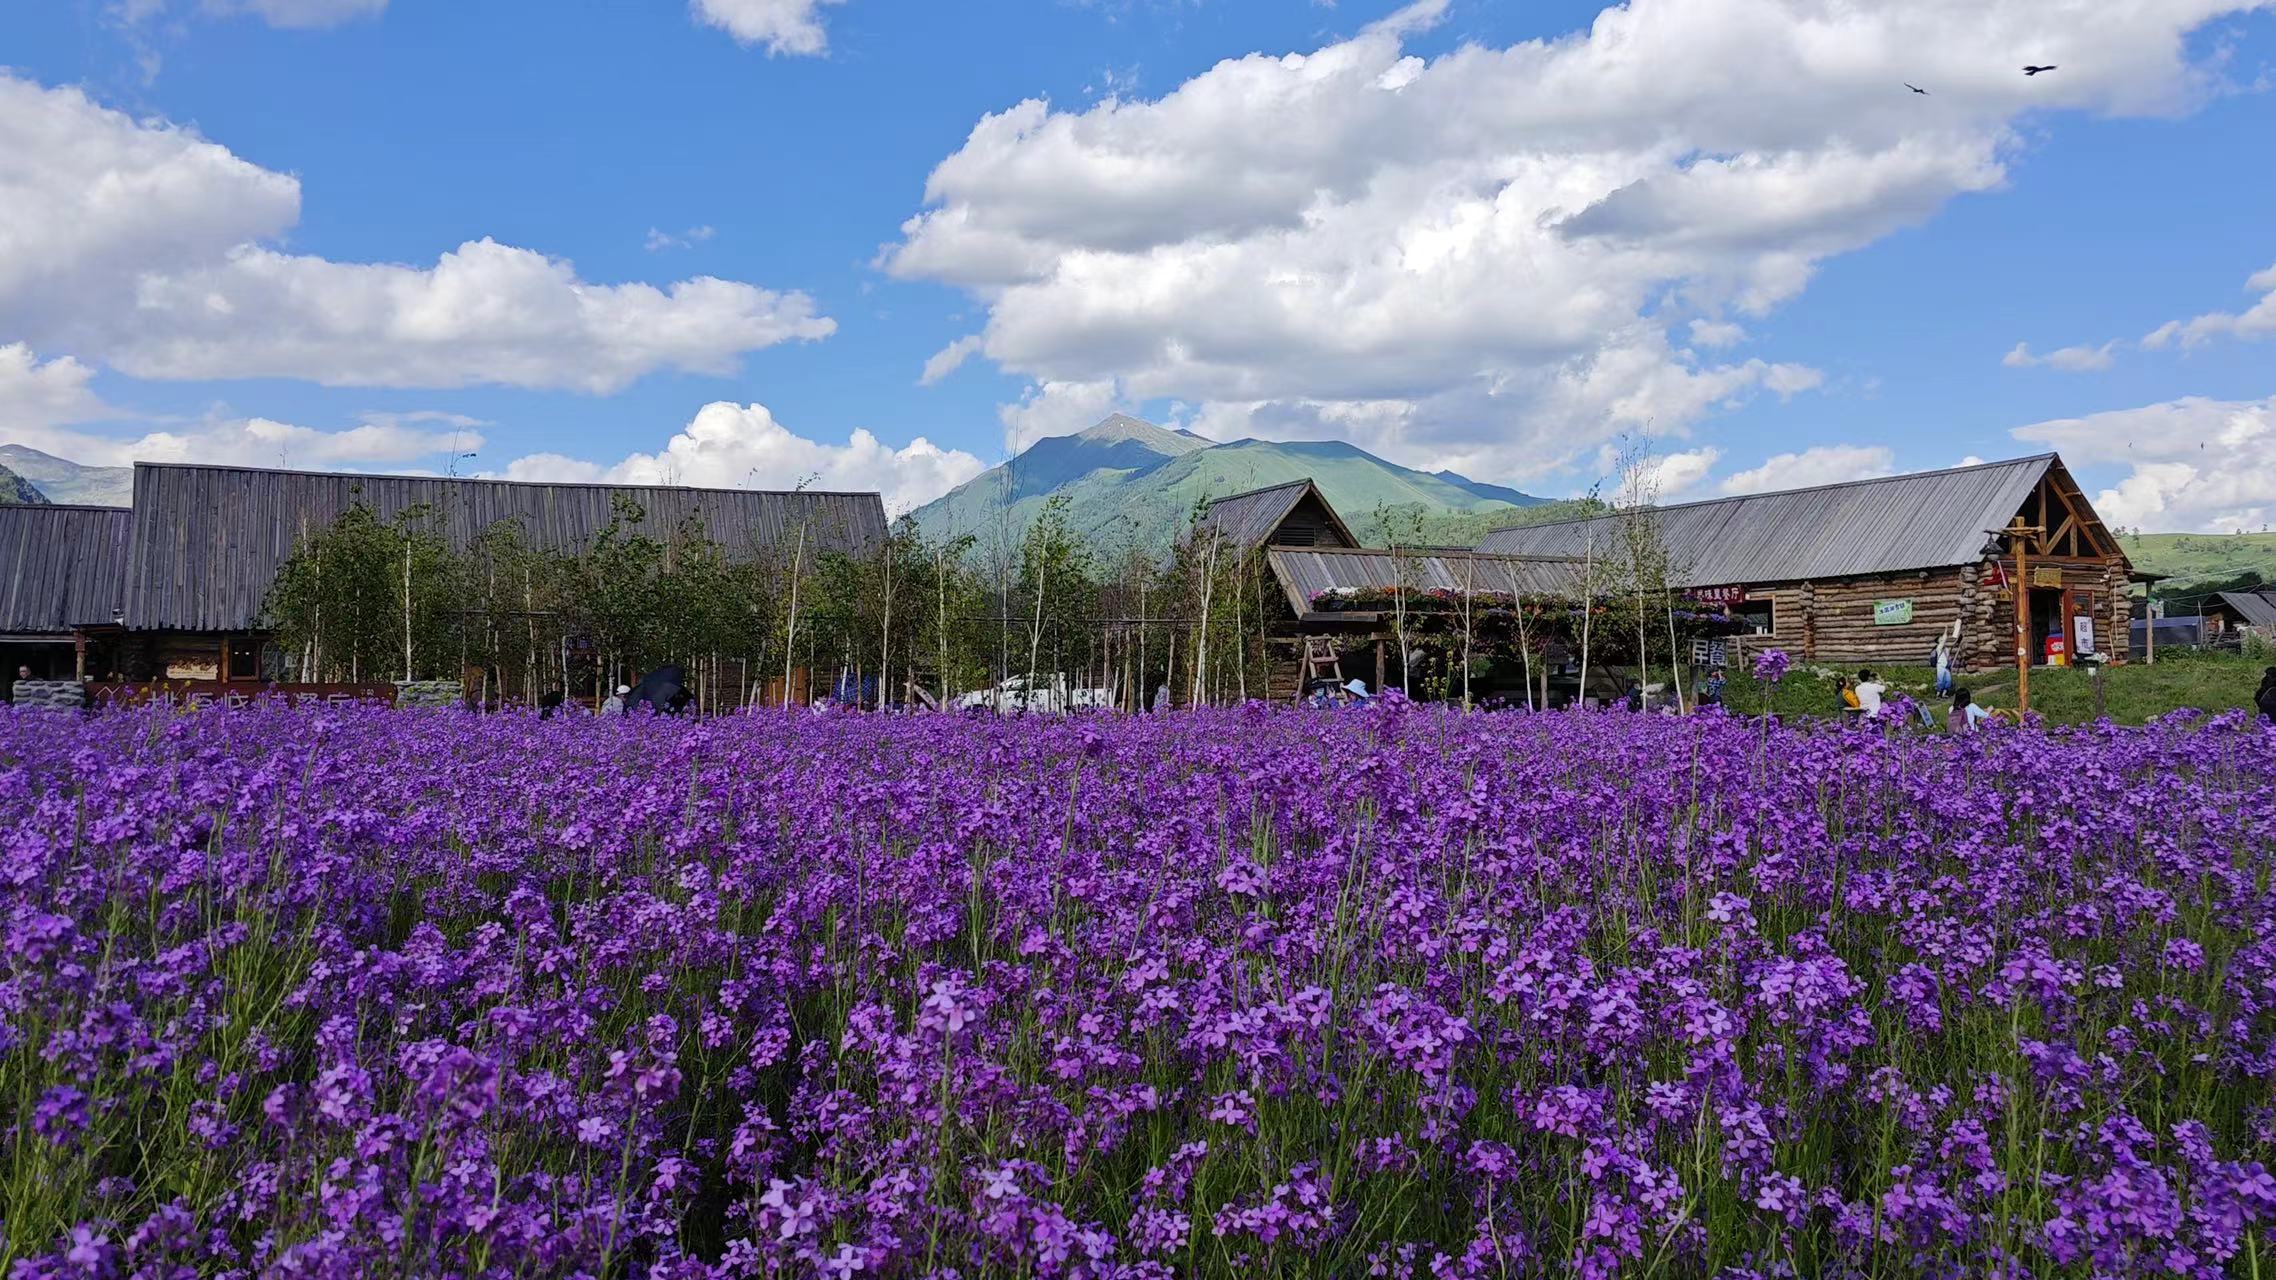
1118, 428
63, 480
1128, 479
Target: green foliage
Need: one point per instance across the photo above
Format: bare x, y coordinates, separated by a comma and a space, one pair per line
368, 599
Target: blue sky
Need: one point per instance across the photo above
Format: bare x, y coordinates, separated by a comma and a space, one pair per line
1720, 226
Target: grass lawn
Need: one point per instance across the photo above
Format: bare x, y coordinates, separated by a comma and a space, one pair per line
2135, 692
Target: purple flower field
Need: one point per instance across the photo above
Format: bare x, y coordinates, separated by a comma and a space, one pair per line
1391, 993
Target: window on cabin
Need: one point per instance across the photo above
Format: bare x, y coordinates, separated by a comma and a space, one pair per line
244, 659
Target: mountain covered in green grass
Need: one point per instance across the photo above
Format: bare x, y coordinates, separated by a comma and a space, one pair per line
2197, 562
1130, 483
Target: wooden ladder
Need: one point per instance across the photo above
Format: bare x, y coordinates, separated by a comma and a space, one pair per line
1319, 655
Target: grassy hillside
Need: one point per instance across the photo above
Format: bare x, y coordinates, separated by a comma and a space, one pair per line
2197, 561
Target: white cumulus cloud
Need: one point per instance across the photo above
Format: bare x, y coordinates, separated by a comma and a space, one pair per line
38, 394
373, 445
949, 359
783, 26
1819, 464
1058, 409
2080, 359
1497, 241
2192, 465
742, 446
1670, 477
142, 245
2256, 321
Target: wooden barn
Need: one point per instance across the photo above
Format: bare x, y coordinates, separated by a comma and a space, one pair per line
62, 574
2232, 613
1311, 556
1877, 570
174, 588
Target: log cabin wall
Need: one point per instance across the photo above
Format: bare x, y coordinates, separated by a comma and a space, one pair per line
2098, 589
1833, 621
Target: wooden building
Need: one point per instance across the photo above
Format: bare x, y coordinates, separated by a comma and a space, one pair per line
1877, 570
2232, 613
62, 574
174, 588
1311, 556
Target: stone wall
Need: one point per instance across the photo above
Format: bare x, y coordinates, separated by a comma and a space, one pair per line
60, 695
430, 693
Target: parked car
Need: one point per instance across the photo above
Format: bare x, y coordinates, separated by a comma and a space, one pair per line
1050, 694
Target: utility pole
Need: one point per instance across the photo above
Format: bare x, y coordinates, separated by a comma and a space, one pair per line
2017, 534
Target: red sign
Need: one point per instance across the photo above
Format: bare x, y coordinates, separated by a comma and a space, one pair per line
1719, 595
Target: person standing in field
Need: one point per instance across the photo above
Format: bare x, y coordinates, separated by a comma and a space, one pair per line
1869, 691
2265, 700
1711, 690
614, 705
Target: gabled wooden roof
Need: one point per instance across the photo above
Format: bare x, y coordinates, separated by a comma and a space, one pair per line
2254, 608
1249, 519
1925, 520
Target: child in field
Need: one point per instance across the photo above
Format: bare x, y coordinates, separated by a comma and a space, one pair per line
1851, 707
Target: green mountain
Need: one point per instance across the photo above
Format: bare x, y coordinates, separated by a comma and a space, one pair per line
14, 488
1129, 482
2198, 562
65, 481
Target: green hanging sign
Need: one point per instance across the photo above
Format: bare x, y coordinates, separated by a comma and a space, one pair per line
1891, 613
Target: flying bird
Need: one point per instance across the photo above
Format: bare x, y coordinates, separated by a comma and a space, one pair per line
1916, 88
2032, 71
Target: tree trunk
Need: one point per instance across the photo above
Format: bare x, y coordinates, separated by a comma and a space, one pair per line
406, 611
790, 634
885, 642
